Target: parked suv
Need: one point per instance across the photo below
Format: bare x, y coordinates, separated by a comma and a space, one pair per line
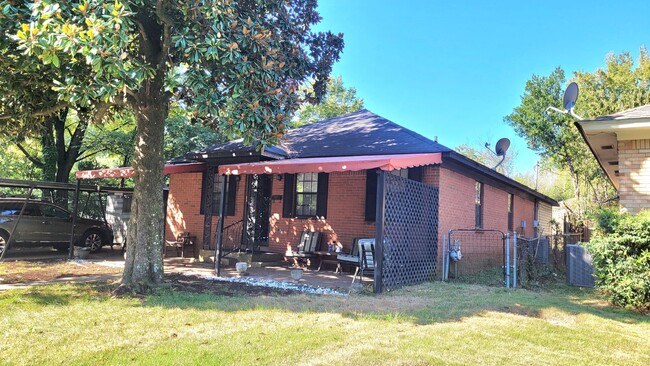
46, 224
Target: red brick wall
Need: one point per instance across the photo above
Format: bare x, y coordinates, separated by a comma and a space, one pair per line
184, 205
346, 208
345, 215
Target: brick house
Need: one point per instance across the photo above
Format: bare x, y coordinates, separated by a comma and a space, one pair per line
621, 144
324, 177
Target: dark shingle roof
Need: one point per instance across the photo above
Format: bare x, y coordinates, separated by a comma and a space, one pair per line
358, 133
638, 112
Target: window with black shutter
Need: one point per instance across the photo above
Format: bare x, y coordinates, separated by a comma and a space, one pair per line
231, 194
305, 195
478, 214
511, 210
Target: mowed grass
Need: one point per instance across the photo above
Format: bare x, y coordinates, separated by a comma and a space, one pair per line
433, 323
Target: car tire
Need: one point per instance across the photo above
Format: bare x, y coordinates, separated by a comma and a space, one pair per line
3, 241
93, 240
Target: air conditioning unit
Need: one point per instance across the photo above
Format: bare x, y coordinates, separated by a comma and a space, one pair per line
579, 270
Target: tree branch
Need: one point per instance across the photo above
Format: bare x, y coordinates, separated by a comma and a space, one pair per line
36, 162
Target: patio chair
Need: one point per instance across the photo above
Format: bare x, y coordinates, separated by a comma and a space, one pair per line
176, 244
366, 259
308, 245
351, 259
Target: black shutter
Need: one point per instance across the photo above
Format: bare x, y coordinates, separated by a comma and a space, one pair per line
321, 200
371, 194
288, 197
416, 174
231, 198
202, 208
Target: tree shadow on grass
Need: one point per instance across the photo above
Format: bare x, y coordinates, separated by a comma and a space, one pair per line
423, 304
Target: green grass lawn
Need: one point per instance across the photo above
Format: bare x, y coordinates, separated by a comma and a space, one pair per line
434, 323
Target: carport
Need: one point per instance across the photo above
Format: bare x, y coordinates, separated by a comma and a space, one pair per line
31, 186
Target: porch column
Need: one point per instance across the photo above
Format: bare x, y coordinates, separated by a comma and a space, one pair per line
379, 230
208, 192
222, 211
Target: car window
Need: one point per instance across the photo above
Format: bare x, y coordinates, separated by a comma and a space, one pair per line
13, 208
54, 212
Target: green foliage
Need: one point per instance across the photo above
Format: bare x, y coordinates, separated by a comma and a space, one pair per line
338, 101
482, 155
621, 258
183, 135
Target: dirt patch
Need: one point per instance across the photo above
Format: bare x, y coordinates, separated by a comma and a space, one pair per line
17, 272
195, 284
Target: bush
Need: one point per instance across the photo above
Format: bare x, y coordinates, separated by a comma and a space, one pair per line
621, 259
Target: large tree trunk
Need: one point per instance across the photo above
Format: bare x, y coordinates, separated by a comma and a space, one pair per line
144, 266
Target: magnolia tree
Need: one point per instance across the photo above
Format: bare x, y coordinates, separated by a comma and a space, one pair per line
235, 65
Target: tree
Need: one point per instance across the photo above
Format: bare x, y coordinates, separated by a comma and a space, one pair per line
487, 157
338, 101
236, 64
620, 85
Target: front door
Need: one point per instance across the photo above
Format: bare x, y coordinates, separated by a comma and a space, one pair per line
258, 210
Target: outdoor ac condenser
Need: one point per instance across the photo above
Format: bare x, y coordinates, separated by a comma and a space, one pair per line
579, 270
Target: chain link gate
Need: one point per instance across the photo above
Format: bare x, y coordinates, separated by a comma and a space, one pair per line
479, 256
407, 232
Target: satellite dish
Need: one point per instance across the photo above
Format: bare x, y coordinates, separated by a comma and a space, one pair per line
502, 146
570, 96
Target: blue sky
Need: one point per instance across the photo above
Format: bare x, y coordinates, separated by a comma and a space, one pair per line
454, 69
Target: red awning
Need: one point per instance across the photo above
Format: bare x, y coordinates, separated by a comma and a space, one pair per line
127, 172
333, 164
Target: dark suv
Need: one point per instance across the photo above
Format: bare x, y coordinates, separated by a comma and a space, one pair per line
45, 224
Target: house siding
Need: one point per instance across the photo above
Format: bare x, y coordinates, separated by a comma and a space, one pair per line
634, 175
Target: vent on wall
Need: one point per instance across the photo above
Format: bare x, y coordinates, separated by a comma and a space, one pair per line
579, 270
612, 162
607, 147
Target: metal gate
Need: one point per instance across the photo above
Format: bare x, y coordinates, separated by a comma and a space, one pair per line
479, 256
407, 232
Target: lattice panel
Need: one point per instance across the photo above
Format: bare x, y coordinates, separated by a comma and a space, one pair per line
476, 256
410, 231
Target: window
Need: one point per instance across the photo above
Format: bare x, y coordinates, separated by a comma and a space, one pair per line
478, 214
371, 187
231, 194
305, 195
126, 203
54, 212
511, 211
13, 209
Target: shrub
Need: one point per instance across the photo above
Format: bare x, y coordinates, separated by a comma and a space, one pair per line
621, 259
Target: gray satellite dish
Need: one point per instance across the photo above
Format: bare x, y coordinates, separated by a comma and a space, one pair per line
570, 96
502, 146
568, 101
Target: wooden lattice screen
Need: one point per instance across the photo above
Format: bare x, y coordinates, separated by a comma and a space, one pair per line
407, 226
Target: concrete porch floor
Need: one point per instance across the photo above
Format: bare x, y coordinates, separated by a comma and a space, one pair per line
323, 278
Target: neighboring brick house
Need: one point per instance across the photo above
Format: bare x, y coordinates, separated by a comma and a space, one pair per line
323, 176
621, 144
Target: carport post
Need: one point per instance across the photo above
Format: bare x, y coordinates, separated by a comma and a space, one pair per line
222, 207
379, 231
13, 228
74, 217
